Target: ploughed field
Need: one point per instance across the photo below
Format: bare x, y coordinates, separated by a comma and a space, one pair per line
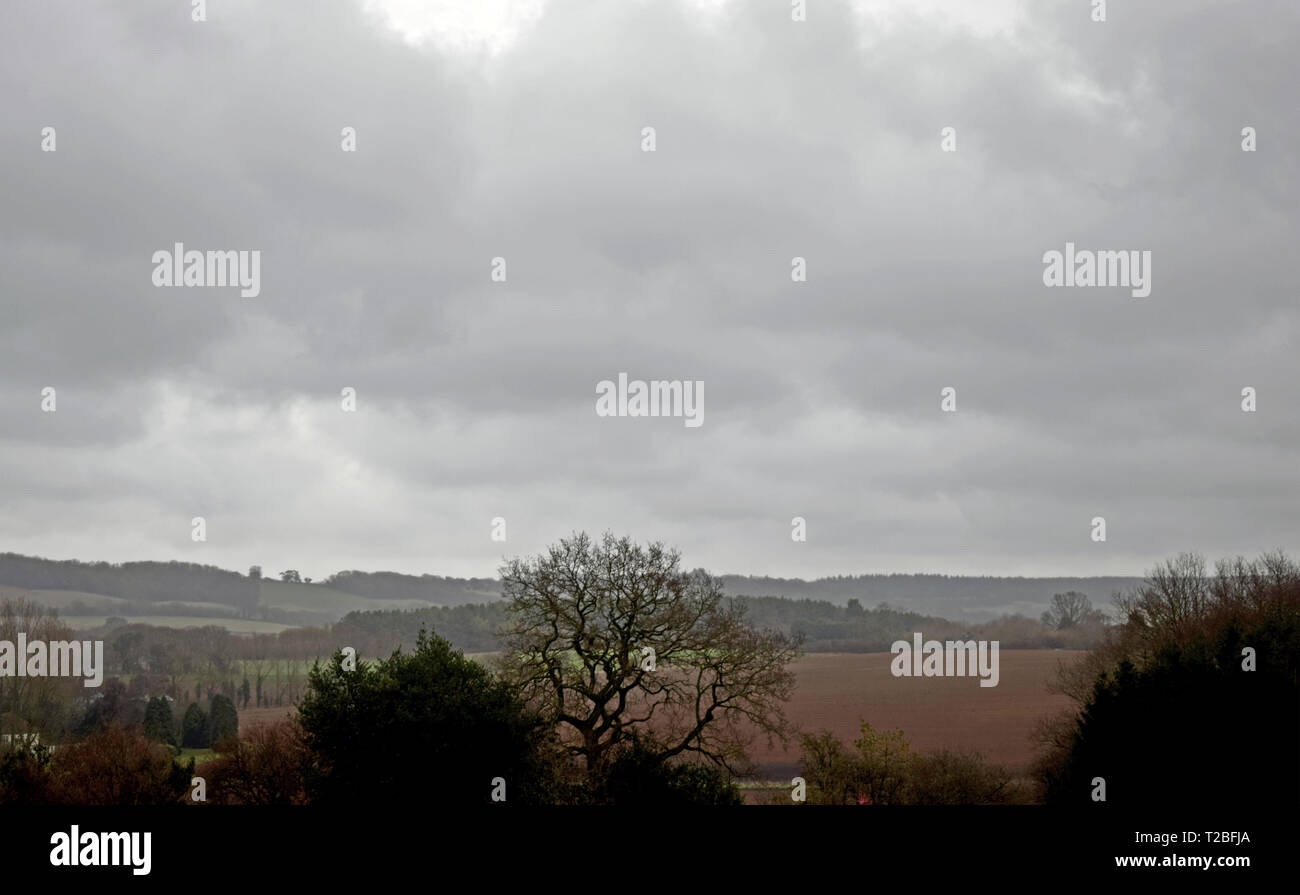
837, 691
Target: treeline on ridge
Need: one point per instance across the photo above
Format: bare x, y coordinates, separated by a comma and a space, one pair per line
138, 582
824, 627
437, 589
179, 588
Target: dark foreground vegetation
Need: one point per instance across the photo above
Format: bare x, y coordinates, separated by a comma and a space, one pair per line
1192, 701
622, 679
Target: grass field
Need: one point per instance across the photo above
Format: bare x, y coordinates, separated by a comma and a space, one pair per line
325, 604
319, 598
234, 625
59, 599
199, 756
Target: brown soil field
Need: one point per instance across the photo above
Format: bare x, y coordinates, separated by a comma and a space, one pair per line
837, 691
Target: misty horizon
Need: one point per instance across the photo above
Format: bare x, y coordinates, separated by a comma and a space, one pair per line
273, 570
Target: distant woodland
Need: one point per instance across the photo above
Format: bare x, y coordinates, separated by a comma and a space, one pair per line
181, 589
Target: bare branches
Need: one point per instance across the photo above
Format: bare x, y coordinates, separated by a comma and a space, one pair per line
615, 643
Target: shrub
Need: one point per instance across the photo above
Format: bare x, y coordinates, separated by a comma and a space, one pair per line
638, 775
269, 764
883, 770
958, 778
117, 766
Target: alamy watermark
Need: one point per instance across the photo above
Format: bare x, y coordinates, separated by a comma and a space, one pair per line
1130, 269
658, 397
178, 267
77, 849
950, 658
57, 658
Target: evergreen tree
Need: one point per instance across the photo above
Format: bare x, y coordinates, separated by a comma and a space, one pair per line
223, 720
194, 728
159, 725
432, 708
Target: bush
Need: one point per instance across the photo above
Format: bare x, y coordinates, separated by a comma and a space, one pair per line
958, 778
876, 774
117, 766
269, 764
638, 776
25, 776
427, 726
884, 771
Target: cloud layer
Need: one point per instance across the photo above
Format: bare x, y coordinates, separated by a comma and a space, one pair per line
775, 139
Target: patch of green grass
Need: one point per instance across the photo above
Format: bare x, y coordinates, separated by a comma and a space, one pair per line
199, 755
319, 598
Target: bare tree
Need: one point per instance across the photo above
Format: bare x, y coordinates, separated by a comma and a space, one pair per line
613, 643
1069, 610
1174, 593
34, 703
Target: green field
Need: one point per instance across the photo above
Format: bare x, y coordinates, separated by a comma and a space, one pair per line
58, 599
319, 598
315, 603
199, 756
234, 625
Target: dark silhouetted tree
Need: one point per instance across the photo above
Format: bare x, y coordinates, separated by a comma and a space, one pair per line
195, 733
430, 724
1070, 610
159, 726
1193, 703
223, 720
582, 620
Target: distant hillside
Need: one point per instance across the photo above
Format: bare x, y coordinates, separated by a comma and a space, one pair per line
953, 597
321, 604
136, 582
177, 588
187, 589
824, 627
435, 590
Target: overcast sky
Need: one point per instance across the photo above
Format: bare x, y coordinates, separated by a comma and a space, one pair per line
514, 130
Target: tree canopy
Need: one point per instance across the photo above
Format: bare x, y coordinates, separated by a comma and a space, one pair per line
612, 642
426, 724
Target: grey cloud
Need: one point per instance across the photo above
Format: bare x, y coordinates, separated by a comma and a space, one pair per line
775, 140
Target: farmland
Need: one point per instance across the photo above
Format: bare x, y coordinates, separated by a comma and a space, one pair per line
233, 625
837, 691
